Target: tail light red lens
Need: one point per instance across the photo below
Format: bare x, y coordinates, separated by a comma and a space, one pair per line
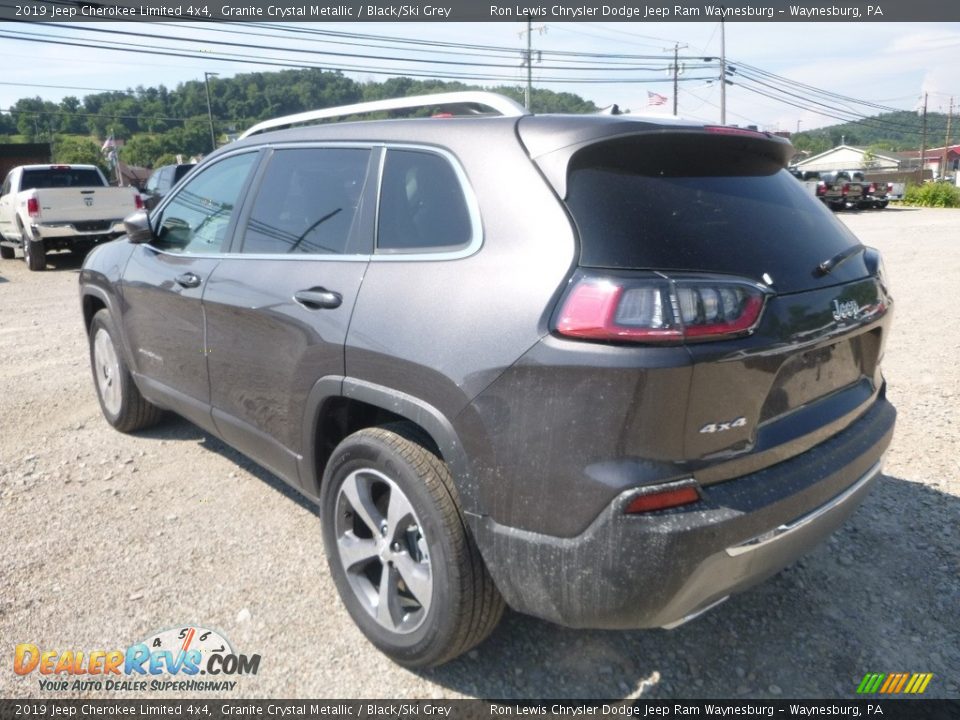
33, 207
658, 309
138, 201
846, 189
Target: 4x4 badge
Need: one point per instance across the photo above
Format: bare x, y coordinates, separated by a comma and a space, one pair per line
721, 426
845, 310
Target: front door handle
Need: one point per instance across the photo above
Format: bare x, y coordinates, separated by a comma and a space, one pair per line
188, 280
318, 298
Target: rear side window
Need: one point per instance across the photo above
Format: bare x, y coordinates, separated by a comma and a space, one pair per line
307, 201
706, 204
422, 204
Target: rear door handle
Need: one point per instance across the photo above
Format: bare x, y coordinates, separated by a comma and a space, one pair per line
188, 280
318, 298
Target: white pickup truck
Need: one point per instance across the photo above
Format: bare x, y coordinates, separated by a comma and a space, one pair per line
56, 207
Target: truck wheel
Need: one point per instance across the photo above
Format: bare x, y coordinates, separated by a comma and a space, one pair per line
122, 404
34, 253
7, 252
882, 204
399, 552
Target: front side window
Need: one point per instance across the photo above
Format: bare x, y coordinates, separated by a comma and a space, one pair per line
422, 204
307, 202
197, 219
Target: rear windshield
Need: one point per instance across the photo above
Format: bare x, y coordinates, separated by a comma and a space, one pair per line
60, 178
703, 204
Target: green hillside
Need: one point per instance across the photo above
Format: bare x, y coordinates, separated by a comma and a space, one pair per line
889, 131
156, 123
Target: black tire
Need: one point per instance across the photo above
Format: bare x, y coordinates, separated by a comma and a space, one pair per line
7, 252
882, 204
440, 599
121, 402
34, 253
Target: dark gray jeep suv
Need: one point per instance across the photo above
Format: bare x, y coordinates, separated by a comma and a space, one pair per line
603, 369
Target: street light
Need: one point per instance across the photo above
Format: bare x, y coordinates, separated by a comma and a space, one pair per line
206, 82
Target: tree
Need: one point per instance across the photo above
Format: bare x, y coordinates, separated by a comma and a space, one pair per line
143, 150
71, 150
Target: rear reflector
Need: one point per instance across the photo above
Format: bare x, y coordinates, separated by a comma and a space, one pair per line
663, 500
658, 309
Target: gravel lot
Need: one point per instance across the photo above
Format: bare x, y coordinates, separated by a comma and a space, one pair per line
107, 538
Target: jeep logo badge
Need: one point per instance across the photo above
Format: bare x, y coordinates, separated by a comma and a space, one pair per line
845, 310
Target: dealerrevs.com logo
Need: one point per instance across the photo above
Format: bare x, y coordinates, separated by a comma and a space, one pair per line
179, 659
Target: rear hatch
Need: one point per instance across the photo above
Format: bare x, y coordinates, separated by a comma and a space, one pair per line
700, 237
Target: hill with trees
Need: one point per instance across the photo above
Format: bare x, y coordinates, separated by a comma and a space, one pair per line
157, 123
888, 131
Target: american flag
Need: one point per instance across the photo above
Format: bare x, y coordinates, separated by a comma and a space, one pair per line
656, 98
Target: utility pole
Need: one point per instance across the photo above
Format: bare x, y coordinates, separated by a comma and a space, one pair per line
946, 141
206, 82
528, 59
923, 139
677, 47
723, 73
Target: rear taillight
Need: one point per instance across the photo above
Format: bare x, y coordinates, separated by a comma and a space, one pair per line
889, 187
658, 309
846, 188
821, 188
871, 188
138, 201
33, 207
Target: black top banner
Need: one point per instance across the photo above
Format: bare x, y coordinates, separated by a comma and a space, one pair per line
479, 10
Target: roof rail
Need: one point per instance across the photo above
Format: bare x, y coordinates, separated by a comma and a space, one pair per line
466, 101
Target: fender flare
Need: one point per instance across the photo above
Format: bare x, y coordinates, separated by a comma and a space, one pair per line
411, 408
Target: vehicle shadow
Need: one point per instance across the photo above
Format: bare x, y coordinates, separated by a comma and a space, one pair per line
173, 427
861, 602
65, 261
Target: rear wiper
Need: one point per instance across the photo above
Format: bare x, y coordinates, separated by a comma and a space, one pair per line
828, 266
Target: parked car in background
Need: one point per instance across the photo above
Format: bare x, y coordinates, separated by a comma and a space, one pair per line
162, 180
56, 207
875, 192
839, 190
606, 370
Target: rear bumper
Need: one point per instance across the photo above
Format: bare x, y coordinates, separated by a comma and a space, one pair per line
659, 569
70, 231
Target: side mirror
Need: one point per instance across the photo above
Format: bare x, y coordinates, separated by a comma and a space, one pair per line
138, 227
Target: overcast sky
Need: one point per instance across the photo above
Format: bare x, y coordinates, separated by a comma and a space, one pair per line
886, 63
